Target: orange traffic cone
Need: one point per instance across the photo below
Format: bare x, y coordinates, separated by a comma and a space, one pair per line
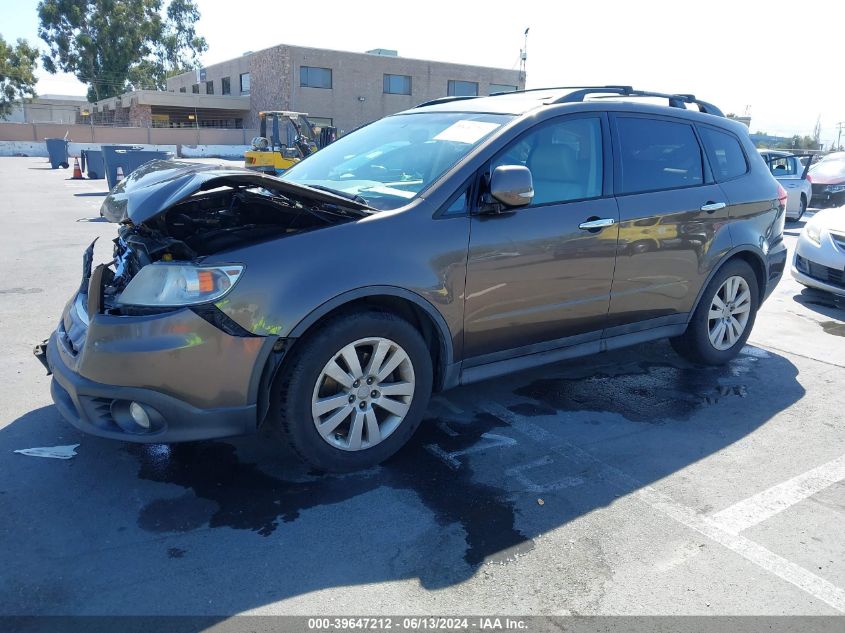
77, 172
119, 175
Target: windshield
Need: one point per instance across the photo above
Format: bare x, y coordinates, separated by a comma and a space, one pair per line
387, 163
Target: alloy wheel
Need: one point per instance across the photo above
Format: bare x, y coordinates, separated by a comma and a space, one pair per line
363, 393
730, 309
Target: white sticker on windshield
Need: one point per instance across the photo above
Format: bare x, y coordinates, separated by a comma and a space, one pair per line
390, 191
466, 131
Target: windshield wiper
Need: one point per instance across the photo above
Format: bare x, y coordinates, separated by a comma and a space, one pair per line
343, 194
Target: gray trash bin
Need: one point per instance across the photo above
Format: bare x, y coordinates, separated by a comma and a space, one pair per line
57, 151
92, 163
128, 158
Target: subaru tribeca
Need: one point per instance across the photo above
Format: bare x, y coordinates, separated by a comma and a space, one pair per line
463, 239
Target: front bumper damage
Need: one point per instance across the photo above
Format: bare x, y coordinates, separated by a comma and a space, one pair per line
193, 380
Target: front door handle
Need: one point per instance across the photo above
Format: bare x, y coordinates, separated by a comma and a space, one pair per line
598, 223
710, 207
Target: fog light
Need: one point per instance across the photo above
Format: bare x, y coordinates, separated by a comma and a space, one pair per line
139, 415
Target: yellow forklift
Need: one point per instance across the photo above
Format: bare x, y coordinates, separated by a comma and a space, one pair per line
292, 138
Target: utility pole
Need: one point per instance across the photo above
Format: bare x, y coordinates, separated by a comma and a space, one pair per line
523, 55
839, 136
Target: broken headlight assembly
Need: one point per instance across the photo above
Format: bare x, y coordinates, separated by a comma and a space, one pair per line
165, 285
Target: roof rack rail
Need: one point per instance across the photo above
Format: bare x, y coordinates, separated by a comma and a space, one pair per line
675, 100
444, 100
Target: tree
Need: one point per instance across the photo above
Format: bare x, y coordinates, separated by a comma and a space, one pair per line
17, 73
117, 45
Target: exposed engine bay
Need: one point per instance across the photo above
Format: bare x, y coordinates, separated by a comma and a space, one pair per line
211, 222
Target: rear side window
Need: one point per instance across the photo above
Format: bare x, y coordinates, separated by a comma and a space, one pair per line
724, 153
657, 154
784, 166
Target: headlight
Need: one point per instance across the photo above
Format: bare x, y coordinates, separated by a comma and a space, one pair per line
814, 232
835, 188
162, 284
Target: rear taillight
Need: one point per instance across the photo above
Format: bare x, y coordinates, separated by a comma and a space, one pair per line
782, 196
809, 179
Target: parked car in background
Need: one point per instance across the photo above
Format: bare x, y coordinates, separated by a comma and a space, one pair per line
791, 171
819, 260
829, 182
833, 156
460, 240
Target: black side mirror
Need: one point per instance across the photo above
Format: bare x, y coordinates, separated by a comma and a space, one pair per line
512, 185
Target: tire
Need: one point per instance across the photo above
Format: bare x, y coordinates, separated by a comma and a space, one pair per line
305, 395
695, 344
802, 209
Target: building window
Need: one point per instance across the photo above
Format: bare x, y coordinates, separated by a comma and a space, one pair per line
320, 121
313, 77
244, 83
209, 87
195, 89
226, 86
462, 88
183, 89
397, 84
494, 88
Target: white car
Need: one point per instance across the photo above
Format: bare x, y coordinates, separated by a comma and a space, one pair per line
819, 260
791, 172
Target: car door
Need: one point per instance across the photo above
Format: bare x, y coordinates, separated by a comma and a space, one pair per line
671, 216
538, 275
791, 172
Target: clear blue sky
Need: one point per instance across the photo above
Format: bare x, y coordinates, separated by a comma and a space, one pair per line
783, 59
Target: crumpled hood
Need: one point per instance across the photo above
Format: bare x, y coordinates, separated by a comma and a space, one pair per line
828, 172
158, 185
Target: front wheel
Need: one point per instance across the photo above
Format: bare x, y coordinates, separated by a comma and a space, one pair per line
723, 319
354, 392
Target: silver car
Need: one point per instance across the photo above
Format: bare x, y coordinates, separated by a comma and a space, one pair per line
790, 170
819, 260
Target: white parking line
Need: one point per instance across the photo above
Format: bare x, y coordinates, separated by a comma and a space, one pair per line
766, 504
755, 553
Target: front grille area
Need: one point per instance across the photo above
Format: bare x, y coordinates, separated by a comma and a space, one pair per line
832, 276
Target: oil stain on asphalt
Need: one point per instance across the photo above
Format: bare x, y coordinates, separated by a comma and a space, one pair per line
227, 492
653, 392
222, 490
837, 328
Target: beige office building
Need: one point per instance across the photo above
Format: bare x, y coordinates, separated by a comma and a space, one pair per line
334, 87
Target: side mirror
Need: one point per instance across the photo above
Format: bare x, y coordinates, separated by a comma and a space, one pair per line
512, 185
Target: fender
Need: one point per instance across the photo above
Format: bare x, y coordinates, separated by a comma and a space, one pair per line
374, 291
743, 248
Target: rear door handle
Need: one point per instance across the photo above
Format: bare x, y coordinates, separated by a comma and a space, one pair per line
598, 223
710, 207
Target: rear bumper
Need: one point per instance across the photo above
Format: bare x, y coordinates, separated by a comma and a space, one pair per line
775, 265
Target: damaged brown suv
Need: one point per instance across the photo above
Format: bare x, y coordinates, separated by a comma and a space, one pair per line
460, 240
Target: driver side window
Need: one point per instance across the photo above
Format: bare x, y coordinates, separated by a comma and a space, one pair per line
565, 159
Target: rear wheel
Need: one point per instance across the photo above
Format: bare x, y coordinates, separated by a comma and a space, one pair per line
803, 208
723, 319
354, 392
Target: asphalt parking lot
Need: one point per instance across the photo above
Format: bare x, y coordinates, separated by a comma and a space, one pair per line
627, 483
